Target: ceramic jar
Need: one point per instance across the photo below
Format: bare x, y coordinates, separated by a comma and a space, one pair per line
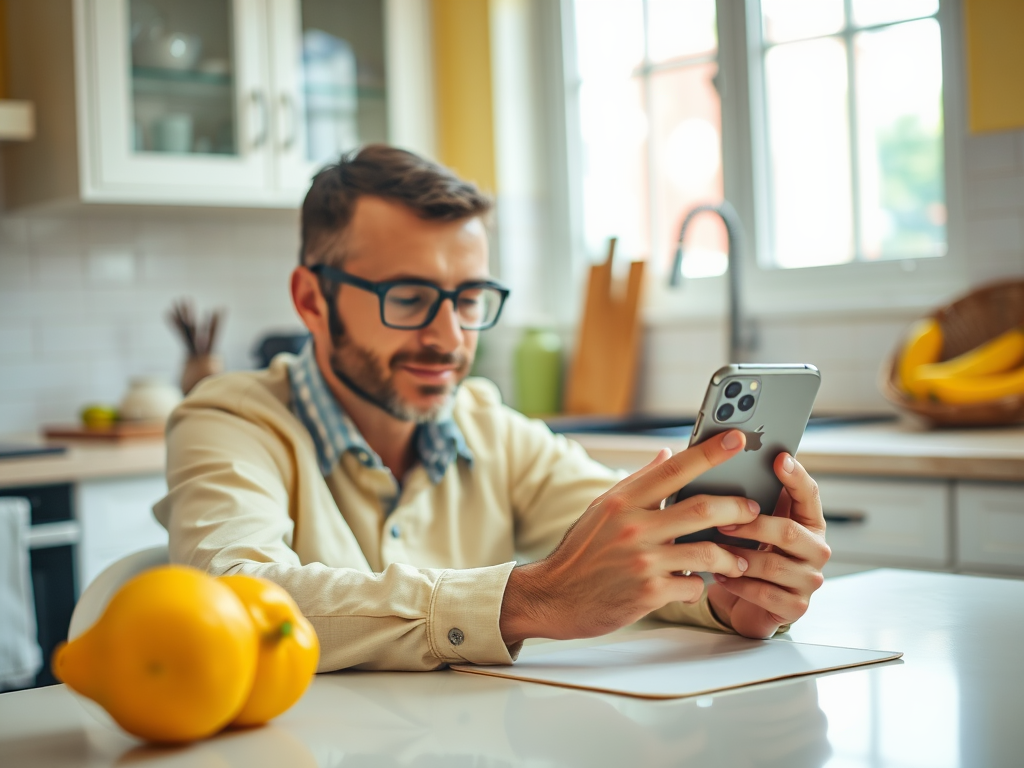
149, 398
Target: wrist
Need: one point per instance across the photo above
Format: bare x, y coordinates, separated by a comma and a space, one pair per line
524, 605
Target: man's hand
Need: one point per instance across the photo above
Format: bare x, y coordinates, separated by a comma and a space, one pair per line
619, 561
777, 587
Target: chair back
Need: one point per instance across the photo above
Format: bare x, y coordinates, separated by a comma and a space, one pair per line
94, 599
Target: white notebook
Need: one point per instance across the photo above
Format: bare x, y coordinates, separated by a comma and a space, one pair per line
675, 662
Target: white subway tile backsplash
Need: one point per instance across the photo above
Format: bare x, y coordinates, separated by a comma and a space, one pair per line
58, 270
997, 193
17, 414
15, 270
999, 234
108, 265
992, 153
16, 342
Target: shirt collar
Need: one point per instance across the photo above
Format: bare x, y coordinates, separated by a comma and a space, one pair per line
437, 444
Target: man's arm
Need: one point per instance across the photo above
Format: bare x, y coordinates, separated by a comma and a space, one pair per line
236, 503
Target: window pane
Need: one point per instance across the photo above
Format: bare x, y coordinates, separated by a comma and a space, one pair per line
795, 19
686, 135
899, 115
867, 12
609, 37
677, 28
808, 129
614, 132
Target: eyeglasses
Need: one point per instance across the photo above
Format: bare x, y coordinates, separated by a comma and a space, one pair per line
412, 304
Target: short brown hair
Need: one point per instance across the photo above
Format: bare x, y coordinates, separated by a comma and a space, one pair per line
429, 189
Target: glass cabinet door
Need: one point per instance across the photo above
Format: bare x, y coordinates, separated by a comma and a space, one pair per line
182, 77
331, 81
180, 103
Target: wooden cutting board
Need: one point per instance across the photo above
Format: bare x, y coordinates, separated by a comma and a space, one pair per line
602, 378
122, 430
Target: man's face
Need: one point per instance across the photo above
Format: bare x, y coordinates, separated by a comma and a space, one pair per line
411, 374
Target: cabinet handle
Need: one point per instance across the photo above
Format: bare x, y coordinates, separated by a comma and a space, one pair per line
288, 109
846, 517
54, 534
260, 102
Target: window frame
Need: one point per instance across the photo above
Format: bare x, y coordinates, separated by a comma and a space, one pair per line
857, 286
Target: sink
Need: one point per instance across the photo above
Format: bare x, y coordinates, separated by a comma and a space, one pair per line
681, 426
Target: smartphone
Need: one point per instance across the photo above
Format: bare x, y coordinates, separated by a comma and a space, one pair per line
770, 404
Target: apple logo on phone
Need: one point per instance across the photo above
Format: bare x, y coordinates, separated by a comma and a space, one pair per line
754, 439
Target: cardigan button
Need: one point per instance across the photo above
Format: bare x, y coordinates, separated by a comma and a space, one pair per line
456, 636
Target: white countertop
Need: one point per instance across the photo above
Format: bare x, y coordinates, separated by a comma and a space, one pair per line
84, 460
902, 449
953, 701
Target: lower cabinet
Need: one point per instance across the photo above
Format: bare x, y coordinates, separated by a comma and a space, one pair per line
116, 517
990, 527
902, 523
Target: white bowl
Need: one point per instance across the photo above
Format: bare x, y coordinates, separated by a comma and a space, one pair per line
174, 50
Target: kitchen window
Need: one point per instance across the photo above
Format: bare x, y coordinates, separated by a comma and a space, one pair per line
827, 123
853, 111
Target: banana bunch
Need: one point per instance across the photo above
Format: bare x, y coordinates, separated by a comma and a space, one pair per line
989, 372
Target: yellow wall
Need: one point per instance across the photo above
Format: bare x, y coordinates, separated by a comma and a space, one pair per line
995, 64
462, 72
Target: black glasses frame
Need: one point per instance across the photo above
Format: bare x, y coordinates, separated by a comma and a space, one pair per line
381, 288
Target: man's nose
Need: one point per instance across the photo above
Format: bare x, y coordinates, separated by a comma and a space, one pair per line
445, 330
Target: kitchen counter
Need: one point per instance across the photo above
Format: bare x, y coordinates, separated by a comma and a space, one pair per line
84, 460
894, 449
954, 700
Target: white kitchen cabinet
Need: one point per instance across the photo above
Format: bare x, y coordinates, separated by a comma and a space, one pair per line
901, 523
211, 102
990, 527
116, 519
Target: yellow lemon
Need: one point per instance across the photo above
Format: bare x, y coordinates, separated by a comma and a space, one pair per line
172, 658
289, 648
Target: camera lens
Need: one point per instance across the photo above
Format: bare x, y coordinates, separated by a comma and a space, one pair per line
733, 389
746, 402
724, 412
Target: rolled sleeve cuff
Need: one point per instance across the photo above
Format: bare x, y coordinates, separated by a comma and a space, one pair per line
697, 614
463, 624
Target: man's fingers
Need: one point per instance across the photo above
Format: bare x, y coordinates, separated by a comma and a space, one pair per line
805, 505
686, 589
780, 570
785, 535
703, 557
666, 478
660, 457
700, 512
784, 606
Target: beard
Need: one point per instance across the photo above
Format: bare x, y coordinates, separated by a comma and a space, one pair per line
359, 370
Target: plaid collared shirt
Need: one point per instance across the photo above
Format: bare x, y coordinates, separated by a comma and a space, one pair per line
438, 444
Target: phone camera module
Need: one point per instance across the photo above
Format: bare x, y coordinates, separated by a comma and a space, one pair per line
746, 402
733, 389
724, 412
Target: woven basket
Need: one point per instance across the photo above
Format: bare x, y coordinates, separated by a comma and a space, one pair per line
968, 322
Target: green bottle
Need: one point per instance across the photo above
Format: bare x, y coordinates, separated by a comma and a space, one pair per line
538, 372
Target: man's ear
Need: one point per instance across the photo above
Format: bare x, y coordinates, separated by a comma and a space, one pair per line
309, 301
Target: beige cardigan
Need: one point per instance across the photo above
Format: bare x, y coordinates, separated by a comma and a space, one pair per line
383, 592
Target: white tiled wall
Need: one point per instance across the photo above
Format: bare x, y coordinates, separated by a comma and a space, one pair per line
84, 297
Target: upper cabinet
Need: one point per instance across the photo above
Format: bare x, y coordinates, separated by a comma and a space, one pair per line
211, 102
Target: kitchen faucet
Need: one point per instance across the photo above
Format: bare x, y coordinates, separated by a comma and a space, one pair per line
741, 338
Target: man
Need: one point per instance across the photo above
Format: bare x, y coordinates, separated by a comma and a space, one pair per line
391, 496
